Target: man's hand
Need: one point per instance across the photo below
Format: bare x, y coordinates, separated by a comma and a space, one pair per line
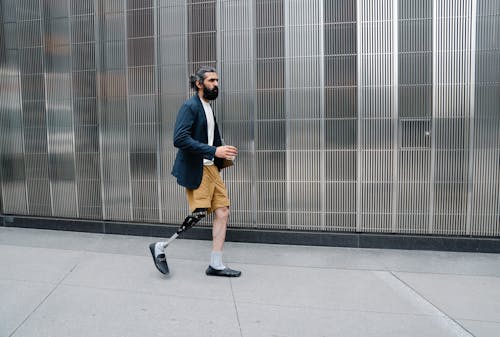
226, 152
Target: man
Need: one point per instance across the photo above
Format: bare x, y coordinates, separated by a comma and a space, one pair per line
199, 159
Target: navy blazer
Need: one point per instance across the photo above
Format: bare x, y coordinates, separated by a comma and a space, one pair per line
191, 139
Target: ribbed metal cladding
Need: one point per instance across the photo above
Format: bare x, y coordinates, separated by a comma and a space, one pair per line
484, 189
376, 111
172, 58
349, 115
236, 110
415, 69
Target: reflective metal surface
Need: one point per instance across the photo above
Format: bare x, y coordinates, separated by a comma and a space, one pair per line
350, 115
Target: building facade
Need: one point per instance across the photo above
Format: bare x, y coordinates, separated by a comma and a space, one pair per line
378, 116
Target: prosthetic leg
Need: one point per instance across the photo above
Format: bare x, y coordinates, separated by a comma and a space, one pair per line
191, 220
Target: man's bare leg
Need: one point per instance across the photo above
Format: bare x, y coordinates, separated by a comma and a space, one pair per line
216, 267
219, 228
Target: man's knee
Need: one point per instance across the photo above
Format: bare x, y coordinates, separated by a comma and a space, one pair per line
222, 213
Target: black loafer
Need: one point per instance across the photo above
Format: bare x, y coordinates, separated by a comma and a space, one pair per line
228, 272
160, 260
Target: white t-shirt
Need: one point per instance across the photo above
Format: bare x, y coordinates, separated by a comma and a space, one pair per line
210, 128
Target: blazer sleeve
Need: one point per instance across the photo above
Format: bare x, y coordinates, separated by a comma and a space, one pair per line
183, 130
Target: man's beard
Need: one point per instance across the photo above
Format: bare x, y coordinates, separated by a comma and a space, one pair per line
210, 94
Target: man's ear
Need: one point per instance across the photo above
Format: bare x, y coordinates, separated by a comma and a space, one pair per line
199, 84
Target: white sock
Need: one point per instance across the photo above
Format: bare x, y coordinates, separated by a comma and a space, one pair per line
159, 248
216, 261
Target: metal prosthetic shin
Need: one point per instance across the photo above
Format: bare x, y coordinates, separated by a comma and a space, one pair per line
189, 222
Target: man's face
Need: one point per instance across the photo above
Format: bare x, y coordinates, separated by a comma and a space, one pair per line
210, 86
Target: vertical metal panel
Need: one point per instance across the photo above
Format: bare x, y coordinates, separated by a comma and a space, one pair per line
141, 108
12, 148
157, 119
114, 110
472, 88
305, 107
236, 114
485, 173
452, 116
350, 115
359, 125
33, 88
395, 115
415, 115
59, 105
270, 114
376, 112
173, 88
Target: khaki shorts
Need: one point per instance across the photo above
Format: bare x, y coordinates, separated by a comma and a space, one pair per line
211, 194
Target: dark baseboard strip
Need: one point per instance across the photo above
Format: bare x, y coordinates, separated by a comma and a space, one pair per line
330, 239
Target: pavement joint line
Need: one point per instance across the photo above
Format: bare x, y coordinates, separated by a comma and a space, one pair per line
407, 291
44, 299
440, 274
478, 320
340, 268
236, 308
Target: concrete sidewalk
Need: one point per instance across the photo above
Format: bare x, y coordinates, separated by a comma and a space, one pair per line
67, 284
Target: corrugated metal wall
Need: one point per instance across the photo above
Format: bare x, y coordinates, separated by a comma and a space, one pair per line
350, 115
